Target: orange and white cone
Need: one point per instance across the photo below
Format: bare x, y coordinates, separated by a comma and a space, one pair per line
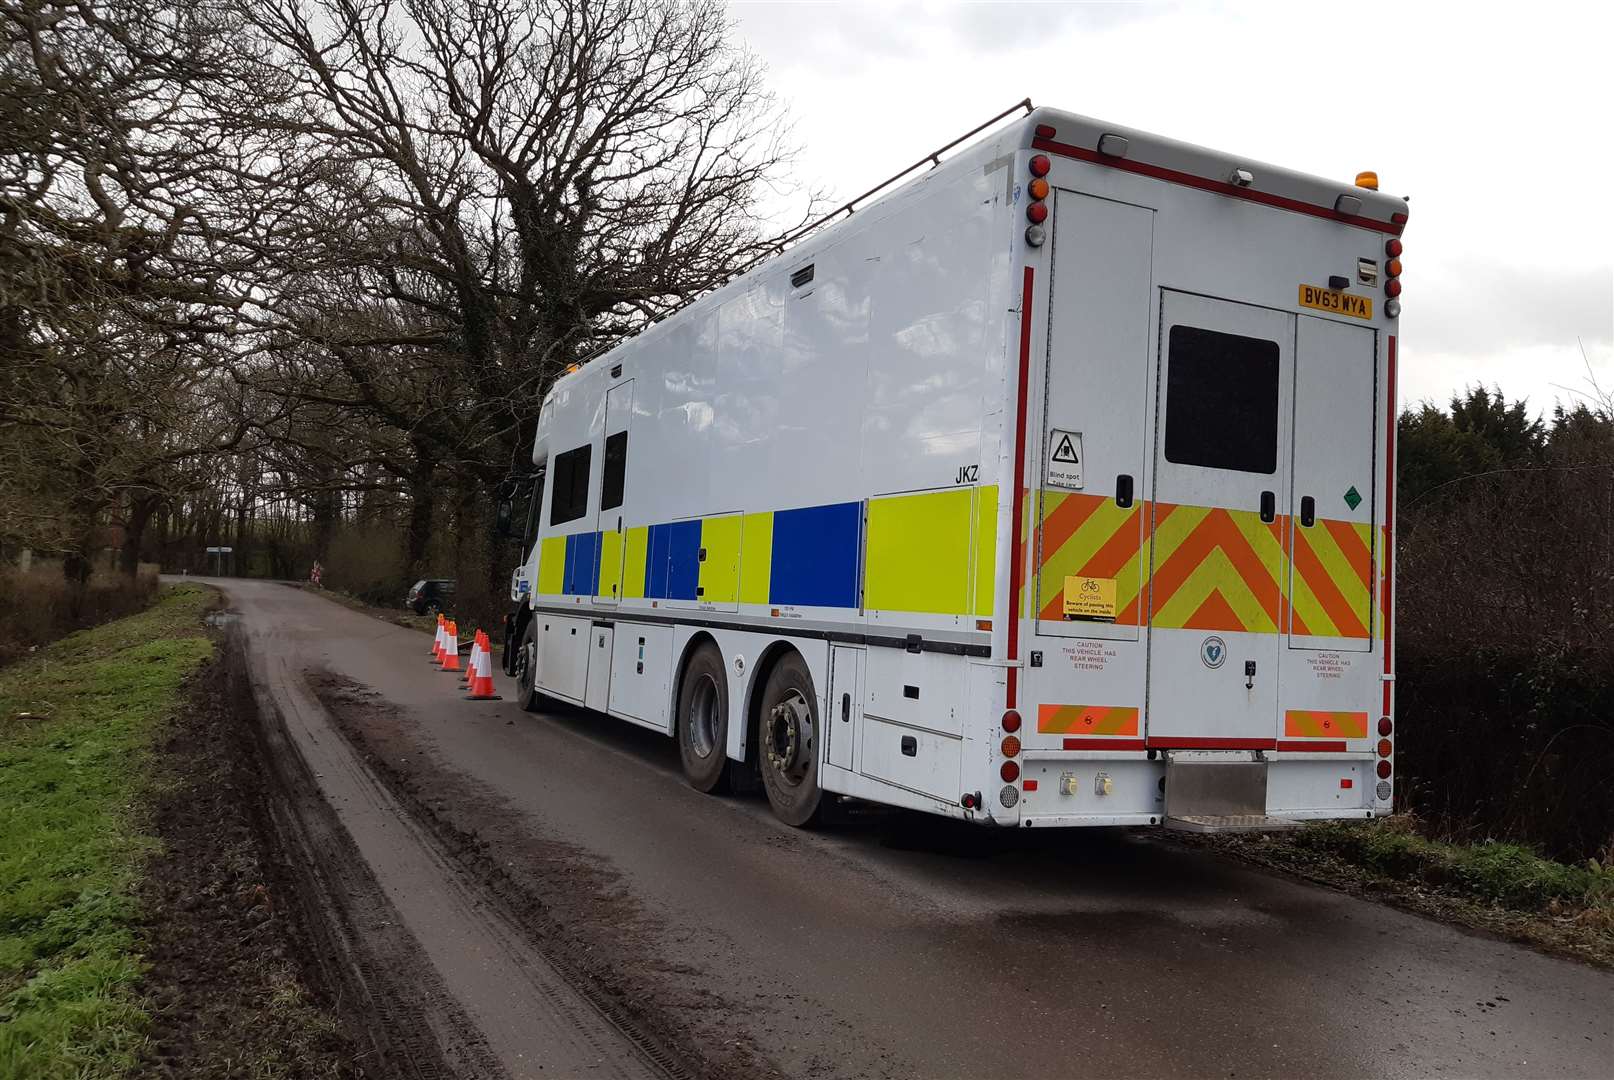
482, 679
470, 663
437, 642
451, 647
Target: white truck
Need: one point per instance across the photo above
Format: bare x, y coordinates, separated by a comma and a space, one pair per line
1054, 487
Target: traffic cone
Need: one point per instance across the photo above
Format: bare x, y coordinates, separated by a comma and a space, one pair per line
451, 647
470, 663
437, 642
482, 679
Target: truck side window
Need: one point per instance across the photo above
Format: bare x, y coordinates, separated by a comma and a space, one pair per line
1221, 400
534, 508
569, 498
616, 470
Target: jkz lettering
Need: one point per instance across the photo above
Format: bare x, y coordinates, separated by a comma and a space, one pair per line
968, 474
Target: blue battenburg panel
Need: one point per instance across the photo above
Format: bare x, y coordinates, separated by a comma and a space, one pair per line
673, 561
815, 555
582, 564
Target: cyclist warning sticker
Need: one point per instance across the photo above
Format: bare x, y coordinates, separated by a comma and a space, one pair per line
1089, 597
1065, 459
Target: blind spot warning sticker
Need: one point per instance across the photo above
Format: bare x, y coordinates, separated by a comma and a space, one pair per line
1065, 459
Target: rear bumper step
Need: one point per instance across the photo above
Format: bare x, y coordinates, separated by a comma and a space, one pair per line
1216, 823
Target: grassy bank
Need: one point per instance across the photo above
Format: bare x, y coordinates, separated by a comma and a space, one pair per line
78, 721
1503, 888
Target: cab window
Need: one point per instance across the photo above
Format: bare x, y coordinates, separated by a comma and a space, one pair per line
569, 497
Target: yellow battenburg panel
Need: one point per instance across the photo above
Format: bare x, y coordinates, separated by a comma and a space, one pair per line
918, 553
610, 564
552, 565
986, 550
756, 557
719, 579
634, 546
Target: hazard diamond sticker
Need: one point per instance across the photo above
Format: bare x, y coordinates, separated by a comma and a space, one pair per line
1353, 498
1065, 459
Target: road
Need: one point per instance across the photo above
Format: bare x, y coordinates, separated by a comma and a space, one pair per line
894, 947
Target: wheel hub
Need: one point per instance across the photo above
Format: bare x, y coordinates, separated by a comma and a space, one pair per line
789, 733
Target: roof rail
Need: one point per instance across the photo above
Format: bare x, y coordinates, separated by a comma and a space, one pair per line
934, 157
778, 246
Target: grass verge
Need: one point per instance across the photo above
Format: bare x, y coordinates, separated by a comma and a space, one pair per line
1504, 889
78, 722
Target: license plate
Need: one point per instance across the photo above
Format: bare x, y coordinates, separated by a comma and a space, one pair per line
1340, 303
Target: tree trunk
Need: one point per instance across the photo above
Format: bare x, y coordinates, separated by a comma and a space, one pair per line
141, 509
418, 537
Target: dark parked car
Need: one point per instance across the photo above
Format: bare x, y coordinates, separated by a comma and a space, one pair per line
430, 595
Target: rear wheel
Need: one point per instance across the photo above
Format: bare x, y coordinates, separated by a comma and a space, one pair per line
703, 720
527, 670
788, 737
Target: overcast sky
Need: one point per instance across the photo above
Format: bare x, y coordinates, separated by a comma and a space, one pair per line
1496, 120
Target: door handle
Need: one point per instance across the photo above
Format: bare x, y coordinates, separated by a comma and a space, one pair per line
846, 708
1269, 506
1123, 490
1308, 511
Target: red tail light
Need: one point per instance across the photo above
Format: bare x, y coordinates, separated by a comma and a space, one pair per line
1392, 248
1010, 772
1040, 165
1037, 213
1011, 720
1385, 727
1384, 770
1391, 287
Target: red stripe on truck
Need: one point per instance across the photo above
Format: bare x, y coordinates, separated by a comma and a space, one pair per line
1196, 743
1017, 562
1218, 187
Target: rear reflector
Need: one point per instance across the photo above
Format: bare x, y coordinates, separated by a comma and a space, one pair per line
1030, 785
1346, 783
1046, 131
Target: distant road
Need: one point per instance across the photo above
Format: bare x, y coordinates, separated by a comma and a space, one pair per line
897, 947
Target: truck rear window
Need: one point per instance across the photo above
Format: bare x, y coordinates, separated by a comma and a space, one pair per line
1221, 400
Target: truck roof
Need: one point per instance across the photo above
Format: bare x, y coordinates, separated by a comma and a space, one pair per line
1099, 142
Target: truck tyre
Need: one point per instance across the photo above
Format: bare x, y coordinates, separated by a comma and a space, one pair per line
703, 720
788, 742
527, 670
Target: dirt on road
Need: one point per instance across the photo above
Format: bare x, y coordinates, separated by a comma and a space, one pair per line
559, 876
573, 907
234, 982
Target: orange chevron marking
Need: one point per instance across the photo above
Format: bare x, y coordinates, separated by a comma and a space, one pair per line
1214, 614
1346, 620
1086, 720
1315, 724
1224, 571
1351, 546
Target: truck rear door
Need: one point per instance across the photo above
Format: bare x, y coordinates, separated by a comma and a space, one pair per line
1221, 465
1330, 680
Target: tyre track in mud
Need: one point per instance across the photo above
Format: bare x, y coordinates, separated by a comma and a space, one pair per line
389, 990
525, 1016
492, 863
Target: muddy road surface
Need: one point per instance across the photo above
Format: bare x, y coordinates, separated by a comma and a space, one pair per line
573, 908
